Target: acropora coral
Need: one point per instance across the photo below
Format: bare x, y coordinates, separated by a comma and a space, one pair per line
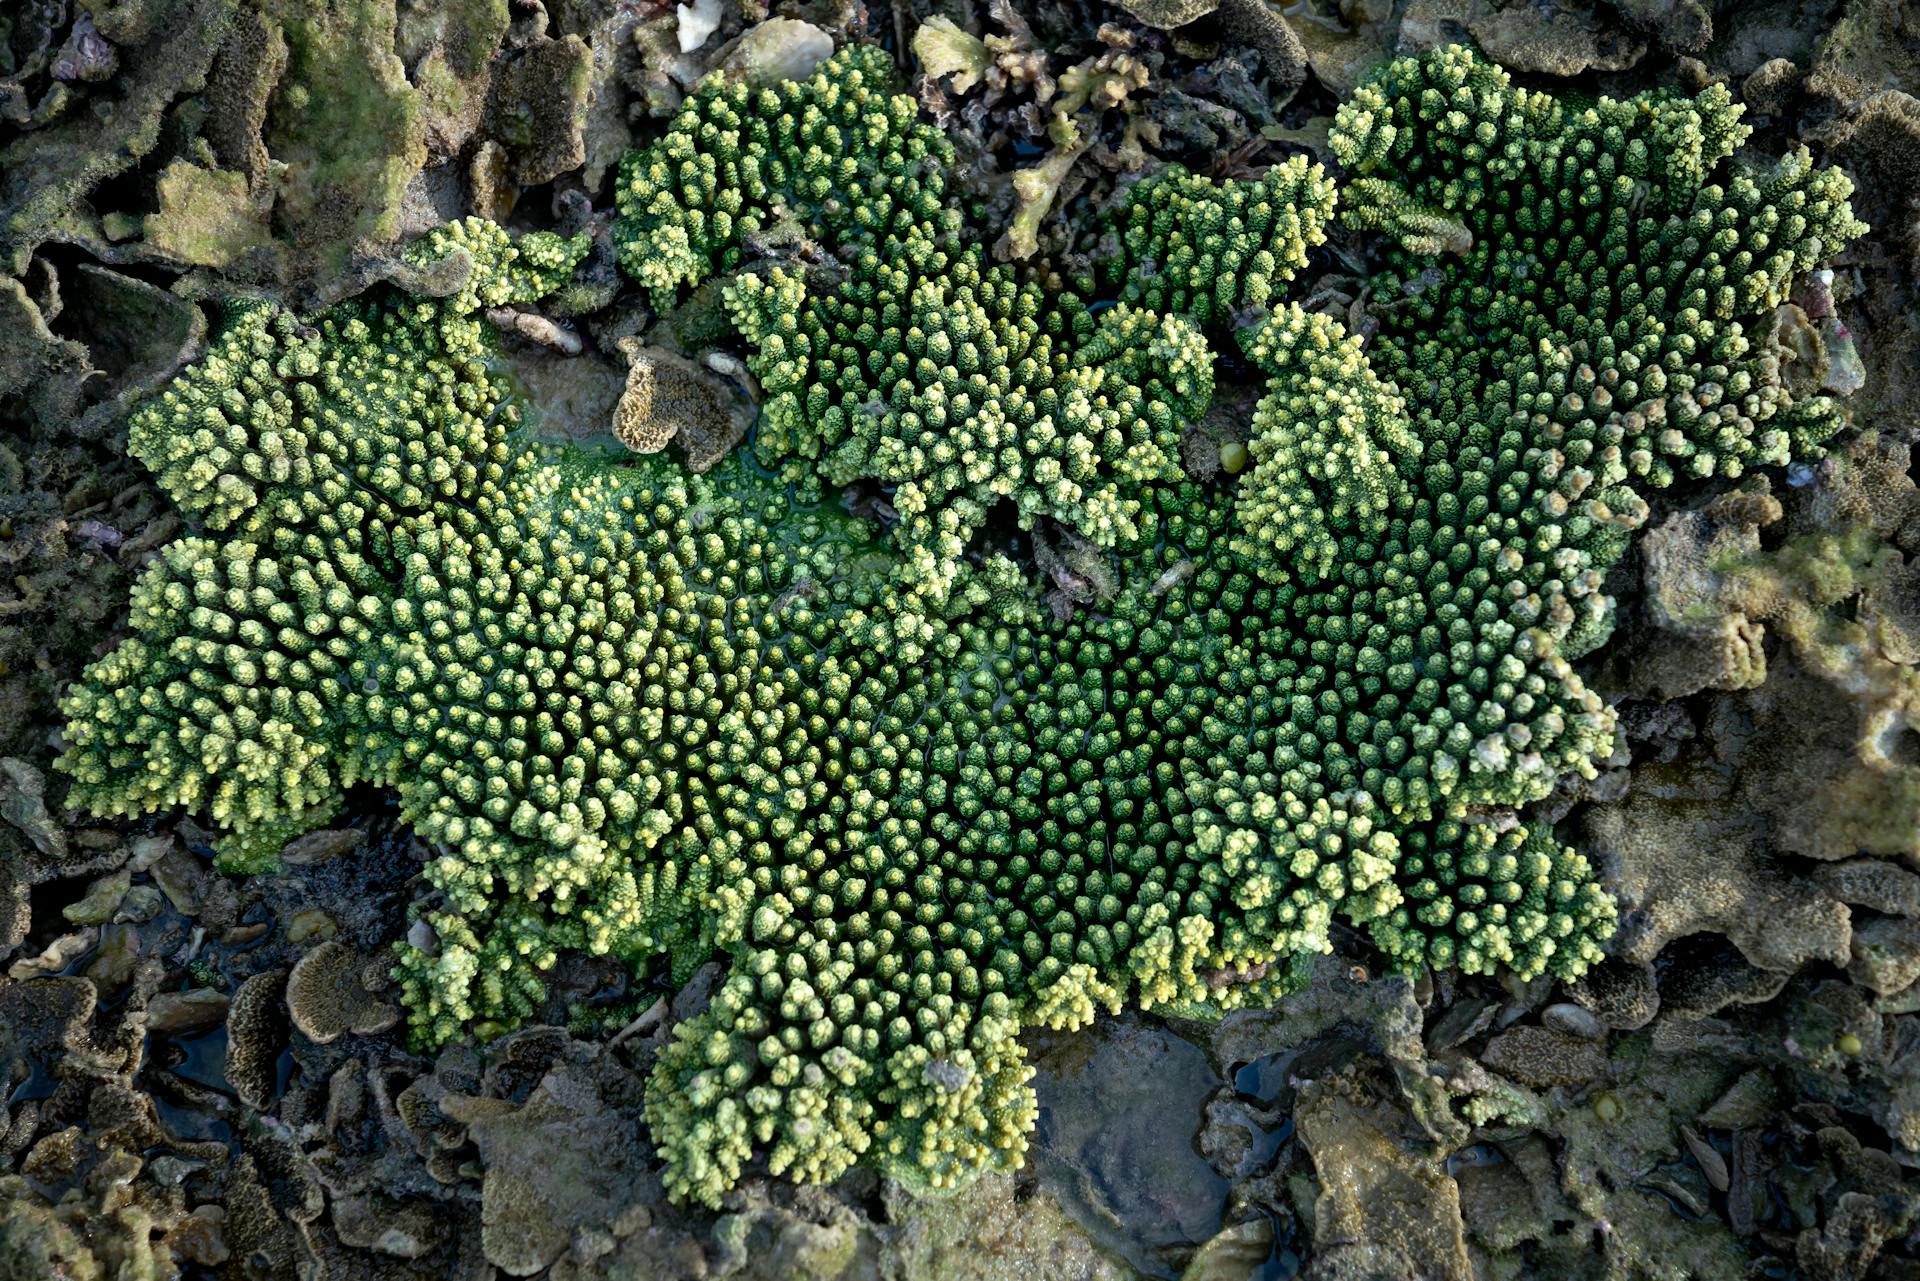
638, 711
900, 357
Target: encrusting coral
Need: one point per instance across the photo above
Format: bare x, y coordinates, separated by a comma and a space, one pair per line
641, 711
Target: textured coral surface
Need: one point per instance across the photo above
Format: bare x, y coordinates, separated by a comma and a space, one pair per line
917, 800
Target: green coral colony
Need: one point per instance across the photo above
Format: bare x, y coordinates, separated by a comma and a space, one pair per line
643, 712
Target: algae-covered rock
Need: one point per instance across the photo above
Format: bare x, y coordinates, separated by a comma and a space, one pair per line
345, 123
1385, 1206
995, 1230
1885, 954
1686, 560
165, 48
251, 62
1682, 25
1168, 14
781, 49
1806, 762
1378, 1013
1840, 592
537, 109
35, 1243
401, 1229
448, 48
40, 371
205, 218
1873, 46
311, 132
1552, 40
1685, 865
1119, 1106
137, 335
1345, 43
23, 803
1611, 1162
186, 1013
102, 899
565, 1160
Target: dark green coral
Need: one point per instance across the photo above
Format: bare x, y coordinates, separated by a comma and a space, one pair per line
639, 711
889, 350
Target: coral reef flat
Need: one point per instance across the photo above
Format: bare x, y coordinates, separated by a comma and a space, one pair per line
1190, 639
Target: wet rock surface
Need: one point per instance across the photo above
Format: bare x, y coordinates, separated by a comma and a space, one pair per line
1114, 1143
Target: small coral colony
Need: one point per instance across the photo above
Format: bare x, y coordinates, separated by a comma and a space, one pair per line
919, 795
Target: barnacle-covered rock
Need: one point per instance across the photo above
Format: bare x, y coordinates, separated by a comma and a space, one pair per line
256, 1037
667, 398
92, 1185
1540, 1057
45, 1018
327, 995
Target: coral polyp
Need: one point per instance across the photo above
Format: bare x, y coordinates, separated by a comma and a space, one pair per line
917, 800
